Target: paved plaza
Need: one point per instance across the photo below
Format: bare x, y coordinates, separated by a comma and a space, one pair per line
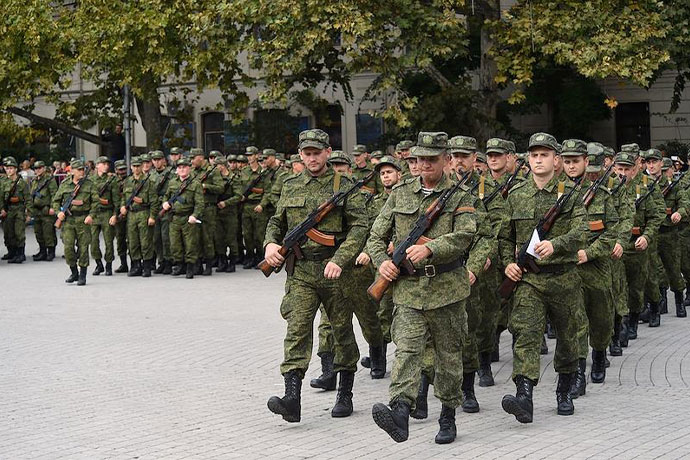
166, 367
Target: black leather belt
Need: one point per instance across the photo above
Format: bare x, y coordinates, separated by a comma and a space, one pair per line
665, 229
431, 271
556, 269
320, 254
79, 213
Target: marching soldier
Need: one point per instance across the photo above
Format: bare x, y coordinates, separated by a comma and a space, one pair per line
15, 198
43, 188
162, 173
226, 228
363, 167
211, 186
121, 224
253, 218
105, 216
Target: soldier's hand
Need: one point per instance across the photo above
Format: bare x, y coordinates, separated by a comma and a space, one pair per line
676, 217
166, 205
273, 256
332, 271
363, 259
192, 220
258, 209
137, 200
151, 222
123, 211
389, 271
544, 249
513, 272
487, 264
473, 279
61, 215
28, 219
641, 244
51, 212
112, 221
581, 257
221, 205
417, 252
88, 220
390, 248
617, 252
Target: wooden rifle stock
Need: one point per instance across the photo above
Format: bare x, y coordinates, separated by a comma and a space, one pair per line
378, 288
267, 269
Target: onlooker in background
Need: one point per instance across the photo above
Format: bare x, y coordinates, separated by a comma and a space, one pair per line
116, 143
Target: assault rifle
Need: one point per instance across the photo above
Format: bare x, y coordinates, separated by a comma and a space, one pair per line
176, 196
38, 190
650, 190
68, 202
11, 192
251, 186
672, 185
104, 187
592, 190
507, 185
135, 192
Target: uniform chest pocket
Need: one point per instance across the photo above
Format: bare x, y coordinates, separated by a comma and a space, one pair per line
404, 218
524, 223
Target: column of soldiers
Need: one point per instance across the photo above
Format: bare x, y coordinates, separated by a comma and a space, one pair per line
570, 234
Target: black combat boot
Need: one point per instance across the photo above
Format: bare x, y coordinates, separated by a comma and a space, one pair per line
99, 267
82, 276
447, 430
167, 267
563, 398
148, 265
248, 260
108, 269
208, 269
74, 276
50, 255
632, 325
378, 366
9, 255
343, 399
598, 374
486, 377
365, 362
497, 342
231, 265
222, 264
19, 256
615, 346
654, 315
136, 269
199, 266
42, 254
550, 331
289, 405
394, 420
520, 405
159, 269
686, 302
680, 308
625, 335
327, 379
544, 350
643, 317
578, 384
663, 305
190, 271
469, 400
421, 410
123, 268
178, 268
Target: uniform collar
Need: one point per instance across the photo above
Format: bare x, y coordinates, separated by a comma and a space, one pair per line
444, 183
549, 187
322, 179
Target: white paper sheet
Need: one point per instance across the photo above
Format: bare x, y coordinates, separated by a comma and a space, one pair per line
533, 242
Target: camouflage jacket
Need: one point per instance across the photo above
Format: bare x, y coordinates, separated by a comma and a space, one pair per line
451, 235
84, 202
190, 202
211, 185
261, 188
109, 200
602, 222
274, 176
48, 186
162, 179
15, 194
147, 195
648, 216
675, 201
489, 220
230, 194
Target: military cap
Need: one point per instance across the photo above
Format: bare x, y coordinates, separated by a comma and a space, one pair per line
120, 164
157, 155
75, 164
481, 157
144, 157
280, 156
315, 138
183, 162
667, 164
231, 157
677, 159
462, 144
136, 161
595, 148
521, 156
387, 160
39, 164
359, 149
631, 148
339, 157
625, 158
197, 152
103, 159
296, 159
609, 152
9, 161
653, 154
574, 148
214, 153
176, 151
543, 140
242, 159
221, 160
377, 154
251, 150
596, 159
413, 153
288, 163
404, 145
431, 144
498, 145
269, 153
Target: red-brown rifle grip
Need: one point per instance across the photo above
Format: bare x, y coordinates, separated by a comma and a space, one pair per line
378, 288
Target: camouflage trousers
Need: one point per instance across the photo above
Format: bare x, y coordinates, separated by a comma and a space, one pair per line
596, 327
473, 307
385, 314
161, 238
559, 296
44, 228
14, 227
253, 227
670, 254
76, 237
207, 249
636, 269
305, 290
654, 269
226, 232
184, 240
684, 242
101, 225
139, 235
446, 329
619, 285
121, 237
492, 308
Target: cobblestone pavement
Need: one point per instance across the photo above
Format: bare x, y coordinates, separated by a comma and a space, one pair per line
173, 368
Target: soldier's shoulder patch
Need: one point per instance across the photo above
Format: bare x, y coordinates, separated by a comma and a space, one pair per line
462, 209
517, 185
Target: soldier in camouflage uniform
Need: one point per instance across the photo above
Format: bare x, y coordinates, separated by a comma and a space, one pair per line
314, 279
43, 187
146, 163
226, 227
161, 175
430, 302
211, 186
105, 216
121, 225
184, 201
141, 217
15, 198
555, 290
362, 167
274, 177
253, 218
76, 220
594, 263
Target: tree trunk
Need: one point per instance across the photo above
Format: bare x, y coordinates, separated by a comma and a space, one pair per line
150, 112
488, 89
58, 125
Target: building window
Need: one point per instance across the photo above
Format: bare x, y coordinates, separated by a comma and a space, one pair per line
333, 126
369, 130
213, 133
632, 124
236, 137
277, 129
